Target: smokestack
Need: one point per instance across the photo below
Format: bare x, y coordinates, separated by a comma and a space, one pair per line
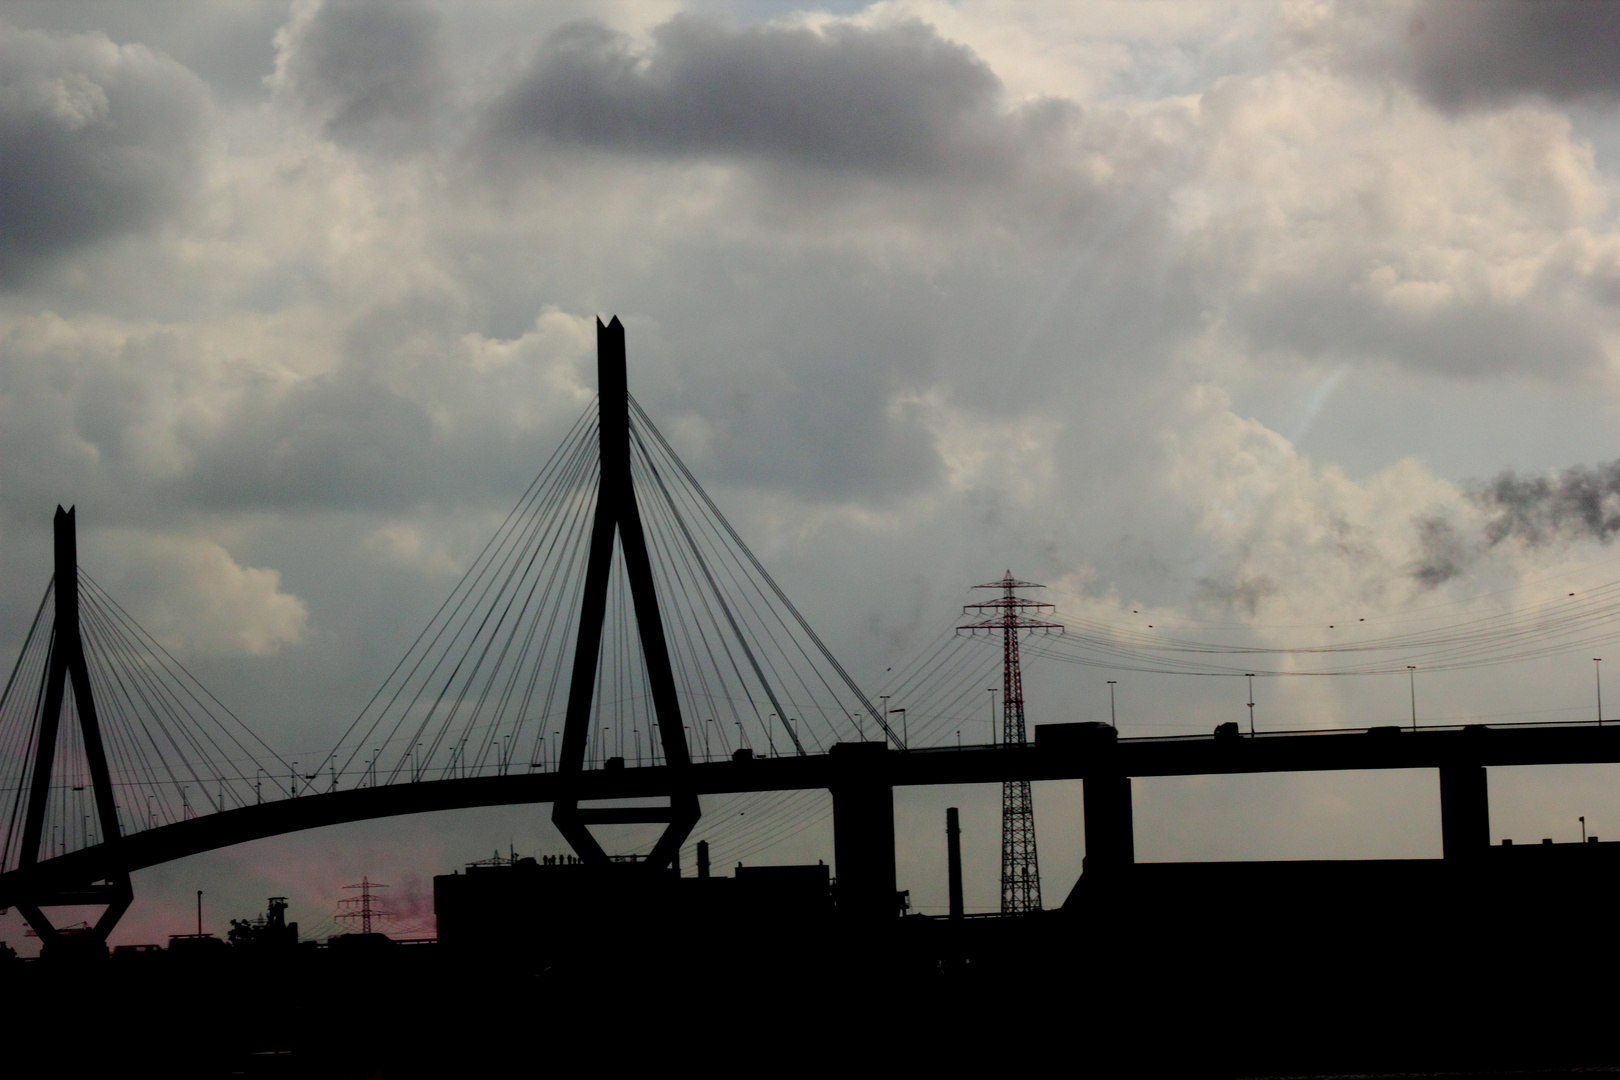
953, 848
703, 858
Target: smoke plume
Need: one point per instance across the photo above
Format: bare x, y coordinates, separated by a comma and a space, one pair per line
1578, 503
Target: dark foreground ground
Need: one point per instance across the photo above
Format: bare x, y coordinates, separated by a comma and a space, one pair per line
928, 997
1189, 972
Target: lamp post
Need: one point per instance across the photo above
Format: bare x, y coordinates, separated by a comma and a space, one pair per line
992, 715
1411, 678
905, 729
1250, 676
1113, 720
1597, 667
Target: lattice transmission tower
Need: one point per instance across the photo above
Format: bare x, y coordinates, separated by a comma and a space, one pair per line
361, 909
1020, 868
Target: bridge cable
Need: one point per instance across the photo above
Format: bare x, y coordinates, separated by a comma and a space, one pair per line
760, 569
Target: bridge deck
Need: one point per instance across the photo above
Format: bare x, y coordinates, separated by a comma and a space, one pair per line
1060, 752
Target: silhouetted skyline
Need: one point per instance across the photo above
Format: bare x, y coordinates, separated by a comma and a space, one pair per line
1229, 325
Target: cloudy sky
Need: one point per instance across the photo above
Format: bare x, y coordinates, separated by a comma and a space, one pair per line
1239, 319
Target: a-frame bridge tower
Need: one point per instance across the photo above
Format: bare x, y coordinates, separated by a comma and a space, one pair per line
65, 671
618, 515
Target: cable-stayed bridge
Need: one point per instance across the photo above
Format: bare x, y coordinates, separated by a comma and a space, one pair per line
616, 622
615, 651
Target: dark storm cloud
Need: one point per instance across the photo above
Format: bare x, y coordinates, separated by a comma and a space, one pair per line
895, 99
158, 424
1579, 503
796, 397
96, 140
372, 70
1487, 51
342, 441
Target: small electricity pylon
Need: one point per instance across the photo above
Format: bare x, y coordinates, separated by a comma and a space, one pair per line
66, 667
616, 512
1020, 868
363, 902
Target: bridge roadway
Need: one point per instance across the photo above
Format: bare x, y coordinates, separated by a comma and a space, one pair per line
1060, 752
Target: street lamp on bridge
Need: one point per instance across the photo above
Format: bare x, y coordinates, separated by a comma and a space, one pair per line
1250, 676
1411, 678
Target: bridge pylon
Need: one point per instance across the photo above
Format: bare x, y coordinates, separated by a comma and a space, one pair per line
618, 514
66, 668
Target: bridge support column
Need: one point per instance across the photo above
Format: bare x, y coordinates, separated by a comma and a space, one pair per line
1110, 830
1465, 812
953, 861
863, 832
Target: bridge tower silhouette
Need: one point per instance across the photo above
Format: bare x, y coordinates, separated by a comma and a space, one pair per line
66, 669
617, 514
615, 609
108, 746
